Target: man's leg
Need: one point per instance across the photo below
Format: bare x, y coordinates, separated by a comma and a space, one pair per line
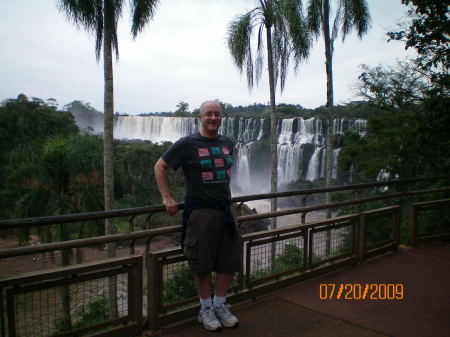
203, 284
206, 315
224, 315
223, 281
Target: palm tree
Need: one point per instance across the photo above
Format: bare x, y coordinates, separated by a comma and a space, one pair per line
286, 36
101, 17
350, 14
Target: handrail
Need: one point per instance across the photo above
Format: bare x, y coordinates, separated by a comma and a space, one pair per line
289, 211
150, 233
48, 220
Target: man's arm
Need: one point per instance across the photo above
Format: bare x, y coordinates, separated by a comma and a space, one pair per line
161, 168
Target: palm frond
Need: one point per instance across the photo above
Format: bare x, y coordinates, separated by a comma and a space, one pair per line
260, 54
112, 11
314, 15
335, 29
298, 32
142, 11
239, 44
355, 15
87, 14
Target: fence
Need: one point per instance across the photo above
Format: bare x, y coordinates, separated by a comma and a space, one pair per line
427, 224
73, 300
273, 258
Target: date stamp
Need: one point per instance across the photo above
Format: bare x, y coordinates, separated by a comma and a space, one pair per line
359, 291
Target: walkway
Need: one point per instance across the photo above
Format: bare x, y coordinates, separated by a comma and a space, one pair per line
297, 311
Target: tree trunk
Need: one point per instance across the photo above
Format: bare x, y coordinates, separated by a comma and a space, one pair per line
108, 168
273, 143
273, 127
329, 106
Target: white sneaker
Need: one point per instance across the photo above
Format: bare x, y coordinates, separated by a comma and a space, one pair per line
225, 317
208, 319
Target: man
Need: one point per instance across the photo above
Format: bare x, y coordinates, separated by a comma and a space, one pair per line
210, 238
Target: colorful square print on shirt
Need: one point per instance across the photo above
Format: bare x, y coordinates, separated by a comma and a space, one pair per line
229, 161
203, 152
225, 150
215, 150
218, 162
207, 176
206, 163
220, 175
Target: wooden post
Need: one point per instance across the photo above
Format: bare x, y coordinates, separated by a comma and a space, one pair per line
362, 237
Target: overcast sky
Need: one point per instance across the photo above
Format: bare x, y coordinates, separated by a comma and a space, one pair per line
180, 56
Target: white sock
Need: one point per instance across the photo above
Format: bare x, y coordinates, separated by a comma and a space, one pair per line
205, 302
219, 300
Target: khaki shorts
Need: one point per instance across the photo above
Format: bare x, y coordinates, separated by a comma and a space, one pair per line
210, 245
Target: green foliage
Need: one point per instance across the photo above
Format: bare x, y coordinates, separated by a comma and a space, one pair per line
180, 286
291, 258
397, 86
428, 33
408, 129
95, 312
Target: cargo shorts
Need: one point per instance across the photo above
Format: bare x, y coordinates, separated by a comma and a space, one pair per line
210, 244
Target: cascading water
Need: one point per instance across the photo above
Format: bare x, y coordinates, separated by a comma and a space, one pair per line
300, 144
154, 128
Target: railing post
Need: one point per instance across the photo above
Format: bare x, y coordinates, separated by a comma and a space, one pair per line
362, 237
2, 314
396, 235
304, 205
135, 278
306, 244
131, 224
247, 264
153, 288
413, 224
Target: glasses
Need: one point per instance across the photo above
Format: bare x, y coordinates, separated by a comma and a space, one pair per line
215, 114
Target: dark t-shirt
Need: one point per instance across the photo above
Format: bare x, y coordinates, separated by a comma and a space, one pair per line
206, 166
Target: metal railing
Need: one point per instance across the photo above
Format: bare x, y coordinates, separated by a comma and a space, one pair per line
273, 258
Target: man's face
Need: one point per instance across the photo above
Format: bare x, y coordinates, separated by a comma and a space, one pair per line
211, 118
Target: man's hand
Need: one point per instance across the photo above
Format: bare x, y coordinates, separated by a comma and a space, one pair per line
171, 205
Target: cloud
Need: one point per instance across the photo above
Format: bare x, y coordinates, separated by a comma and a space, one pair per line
181, 55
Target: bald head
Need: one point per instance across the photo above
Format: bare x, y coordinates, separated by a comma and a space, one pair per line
208, 104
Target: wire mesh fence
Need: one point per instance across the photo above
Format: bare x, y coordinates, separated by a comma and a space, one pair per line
273, 257
48, 305
379, 230
332, 242
430, 220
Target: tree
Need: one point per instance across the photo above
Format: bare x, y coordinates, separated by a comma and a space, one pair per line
350, 14
428, 33
182, 107
101, 18
286, 35
408, 128
392, 86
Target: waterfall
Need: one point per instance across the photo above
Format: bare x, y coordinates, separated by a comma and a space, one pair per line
314, 165
309, 131
289, 163
243, 168
154, 128
300, 144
